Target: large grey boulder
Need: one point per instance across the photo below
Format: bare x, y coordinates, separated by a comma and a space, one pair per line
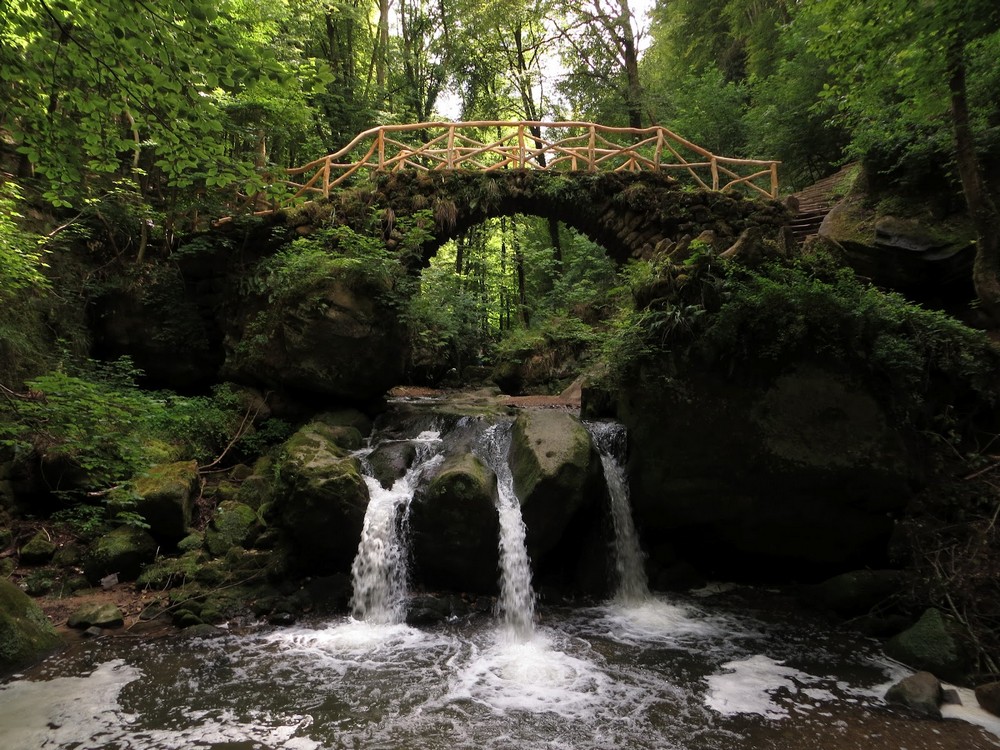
321, 500
556, 474
166, 495
25, 633
455, 527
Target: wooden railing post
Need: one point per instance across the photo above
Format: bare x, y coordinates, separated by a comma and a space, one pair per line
774, 180
592, 150
520, 145
715, 173
326, 178
380, 139
451, 146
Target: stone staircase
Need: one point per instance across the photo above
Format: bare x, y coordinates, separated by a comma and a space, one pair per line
815, 202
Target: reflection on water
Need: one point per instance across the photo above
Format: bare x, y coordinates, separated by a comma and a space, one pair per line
656, 675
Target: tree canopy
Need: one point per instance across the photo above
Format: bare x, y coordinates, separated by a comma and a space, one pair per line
168, 108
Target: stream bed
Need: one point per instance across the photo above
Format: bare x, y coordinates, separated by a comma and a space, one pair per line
723, 671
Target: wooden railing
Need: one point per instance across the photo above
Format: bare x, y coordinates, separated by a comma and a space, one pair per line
555, 146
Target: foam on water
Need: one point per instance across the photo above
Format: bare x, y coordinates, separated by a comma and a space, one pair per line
354, 638
747, 686
531, 675
65, 709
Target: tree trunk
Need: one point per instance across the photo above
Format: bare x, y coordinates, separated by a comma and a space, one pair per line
630, 57
982, 209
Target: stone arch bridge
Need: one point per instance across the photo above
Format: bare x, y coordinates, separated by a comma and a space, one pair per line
632, 215
635, 191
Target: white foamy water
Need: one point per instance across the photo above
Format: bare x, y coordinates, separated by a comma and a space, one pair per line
65, 710
513, 674
379, 572
517, 598
653, 620
748, 686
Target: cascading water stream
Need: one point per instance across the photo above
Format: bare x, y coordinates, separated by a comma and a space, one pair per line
517, 598
633, 587
379, 571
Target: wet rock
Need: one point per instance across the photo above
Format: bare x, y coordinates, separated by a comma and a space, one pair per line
920, 693
430, 609
454, 527
233, 525
988, 696
328, 594
322, 500
931, 644
166, 495
390, 461
93, 632
555, 470
96, 615
25, 633
38, 551
202, 630
123, 551
6, 538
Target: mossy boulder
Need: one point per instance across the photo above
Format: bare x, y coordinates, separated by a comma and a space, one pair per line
123, 551
903, 245
25, 633
256, 491
233, 525
556, 474
455, 527
38, 551
933, 643
169, 572
96, 615
322, 499
166, 494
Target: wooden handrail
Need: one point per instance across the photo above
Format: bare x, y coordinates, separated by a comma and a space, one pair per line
596, 147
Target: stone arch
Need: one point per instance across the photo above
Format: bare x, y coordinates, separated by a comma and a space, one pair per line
631, 215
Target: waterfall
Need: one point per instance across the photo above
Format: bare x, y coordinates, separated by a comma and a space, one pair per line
517, 599
610, 439
379, 572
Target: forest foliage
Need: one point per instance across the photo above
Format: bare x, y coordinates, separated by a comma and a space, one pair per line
132, 121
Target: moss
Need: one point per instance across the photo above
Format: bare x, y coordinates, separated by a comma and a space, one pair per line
38, 551
234, 525
25, 633
169, 572
123, 551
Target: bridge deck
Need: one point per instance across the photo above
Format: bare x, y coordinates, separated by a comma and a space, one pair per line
489, 145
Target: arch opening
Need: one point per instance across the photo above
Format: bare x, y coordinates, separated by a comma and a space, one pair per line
517, 299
